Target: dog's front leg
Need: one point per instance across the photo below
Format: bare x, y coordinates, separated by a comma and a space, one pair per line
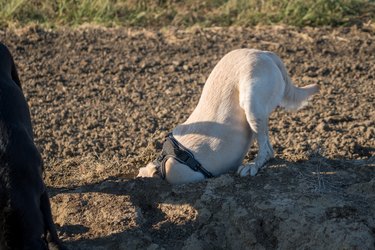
265, 151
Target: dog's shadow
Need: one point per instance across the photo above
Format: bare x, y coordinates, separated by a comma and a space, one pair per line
146, 194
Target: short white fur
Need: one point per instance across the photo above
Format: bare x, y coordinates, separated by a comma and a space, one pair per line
237, 99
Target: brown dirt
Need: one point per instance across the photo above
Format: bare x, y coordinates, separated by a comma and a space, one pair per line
103, 99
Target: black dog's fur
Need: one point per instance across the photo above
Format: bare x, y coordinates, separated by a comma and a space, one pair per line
25, 212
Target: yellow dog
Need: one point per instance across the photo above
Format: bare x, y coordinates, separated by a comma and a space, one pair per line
237, 99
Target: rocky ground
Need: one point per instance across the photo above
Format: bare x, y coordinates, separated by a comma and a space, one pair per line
103, 99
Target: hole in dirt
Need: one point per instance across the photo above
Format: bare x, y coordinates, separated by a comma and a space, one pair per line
363, 151
71, 230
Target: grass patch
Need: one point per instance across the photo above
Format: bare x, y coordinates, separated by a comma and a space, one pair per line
159, 13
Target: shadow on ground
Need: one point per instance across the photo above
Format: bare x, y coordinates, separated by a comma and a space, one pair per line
323, 198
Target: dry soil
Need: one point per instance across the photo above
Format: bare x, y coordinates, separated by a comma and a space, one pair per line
102, 100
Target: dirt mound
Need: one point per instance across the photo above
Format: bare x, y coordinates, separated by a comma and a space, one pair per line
103, 99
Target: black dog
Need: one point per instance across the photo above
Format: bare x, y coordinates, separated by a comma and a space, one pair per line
25, 212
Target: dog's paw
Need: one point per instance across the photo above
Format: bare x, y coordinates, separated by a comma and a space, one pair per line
142, 172
247, 169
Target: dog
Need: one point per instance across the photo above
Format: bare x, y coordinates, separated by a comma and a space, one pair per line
25, 212
242, 90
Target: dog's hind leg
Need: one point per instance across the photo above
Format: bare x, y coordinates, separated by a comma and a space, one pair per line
265, 151
258, 98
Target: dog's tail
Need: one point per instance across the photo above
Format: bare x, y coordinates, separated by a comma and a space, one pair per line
294, 97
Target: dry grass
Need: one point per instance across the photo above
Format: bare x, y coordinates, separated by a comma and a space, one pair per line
186, 13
